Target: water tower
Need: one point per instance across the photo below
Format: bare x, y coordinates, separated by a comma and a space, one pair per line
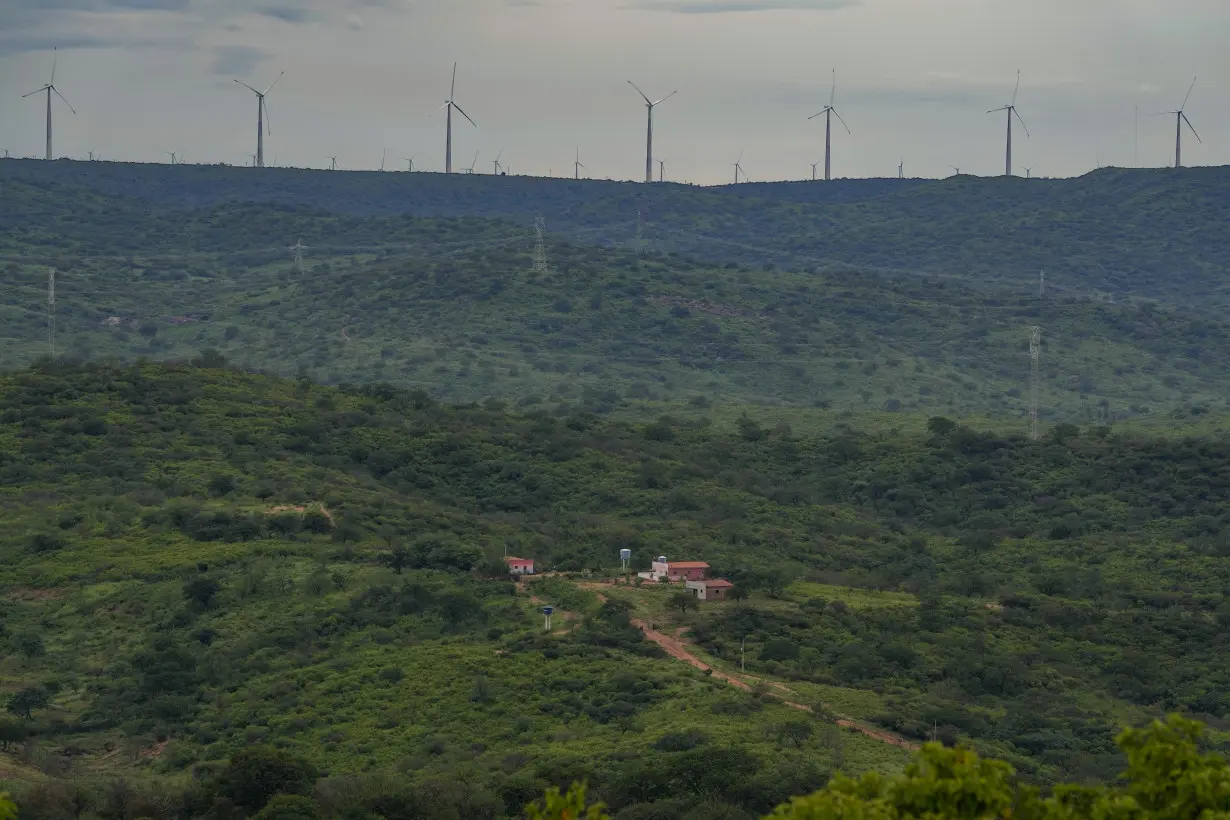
546, 611
624, 557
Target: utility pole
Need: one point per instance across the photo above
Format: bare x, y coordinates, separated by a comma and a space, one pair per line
1035, 350
51, 313
540, 245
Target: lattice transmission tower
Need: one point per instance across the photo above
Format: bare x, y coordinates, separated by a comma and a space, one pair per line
540, 245
1035, 382
51, 313
297, 249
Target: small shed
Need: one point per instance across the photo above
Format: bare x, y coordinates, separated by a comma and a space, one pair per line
714, 589
519, 566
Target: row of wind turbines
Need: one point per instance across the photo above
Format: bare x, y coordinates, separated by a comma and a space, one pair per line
450, 105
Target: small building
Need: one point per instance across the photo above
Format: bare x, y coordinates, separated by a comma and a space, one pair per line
519, 566
661, 569
715, 589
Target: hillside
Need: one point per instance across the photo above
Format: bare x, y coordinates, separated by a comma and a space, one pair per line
199, 560
453, 306
1148, 233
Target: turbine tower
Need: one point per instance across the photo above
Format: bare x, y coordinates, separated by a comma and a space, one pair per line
49, 88
739, 168
450, 104
1012, 112
650, 106
828, 113
661, 170
495, 164
577, 166
262, 111
1180, 118
901, 169
410, 163
332, 163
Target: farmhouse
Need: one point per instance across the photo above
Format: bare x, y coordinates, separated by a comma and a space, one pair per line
661, 569
715, 589
519, 566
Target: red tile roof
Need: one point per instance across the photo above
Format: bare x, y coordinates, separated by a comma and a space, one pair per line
688, 565
512, 560
718, 583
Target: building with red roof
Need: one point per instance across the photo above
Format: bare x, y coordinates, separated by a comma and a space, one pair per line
519, 566
713, 589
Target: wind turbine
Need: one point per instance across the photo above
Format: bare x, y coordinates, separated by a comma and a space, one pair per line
955, 168
410, 163
828, 113
1180, 118
175, 157
470, 170
739, 168
649, 106
1012, 112
577, 166
49, 88
813, 170
6, 152
262, 111
1029, 172
495, 163
661, 170
384, 154
450, 104
901, 169
332, 163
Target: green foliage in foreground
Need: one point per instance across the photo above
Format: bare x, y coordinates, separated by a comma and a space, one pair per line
1167, 778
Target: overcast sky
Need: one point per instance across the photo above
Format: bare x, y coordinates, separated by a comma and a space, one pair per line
541, 77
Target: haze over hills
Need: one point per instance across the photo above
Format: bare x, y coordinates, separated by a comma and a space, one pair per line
455, 307
1115, 233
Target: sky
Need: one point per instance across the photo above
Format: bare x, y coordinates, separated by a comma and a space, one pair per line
542, 78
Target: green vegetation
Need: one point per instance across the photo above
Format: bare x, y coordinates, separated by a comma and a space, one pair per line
452, 306
200, 560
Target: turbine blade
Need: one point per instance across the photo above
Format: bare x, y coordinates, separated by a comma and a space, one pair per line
452, 89
250, 88
843, 122
638, 91
1189, 95
1023, 125
268, 119
740, 159
38, 91
1189, 125
1018, 86
441, 108
833, 90
464, 114
997, 110
70, 107
275, 82
813, 116
55, 58
667, 97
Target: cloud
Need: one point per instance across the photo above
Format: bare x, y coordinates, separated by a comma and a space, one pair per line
728, 6
237, 61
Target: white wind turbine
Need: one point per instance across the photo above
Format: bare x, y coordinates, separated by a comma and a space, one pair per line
409, 163
450, 104
828, 113
470, 170
49, 88
495, 163
1180, 118
262, 113
577, 166
650, 106
1011, 109
739, 168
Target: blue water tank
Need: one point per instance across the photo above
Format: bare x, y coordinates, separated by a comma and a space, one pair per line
547, 610
624, 555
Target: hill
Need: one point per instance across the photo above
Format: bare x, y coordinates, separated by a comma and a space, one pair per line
455, 306
1149, 233
199, 560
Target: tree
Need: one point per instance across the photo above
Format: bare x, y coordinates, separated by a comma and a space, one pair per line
8, 809
570, 806
682, 601
11, 733
288, 807
24, 702
256, 774
397, 559
201, 591
29, 644
794, 732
